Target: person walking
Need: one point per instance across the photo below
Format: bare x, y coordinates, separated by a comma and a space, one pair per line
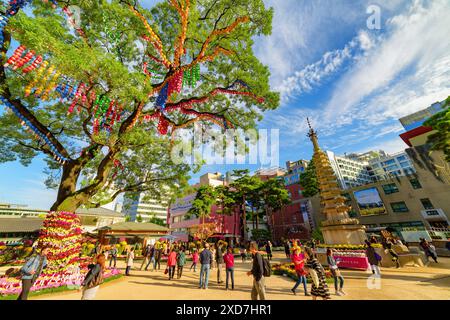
229, 267
258, 289
219, 262
181, 261
319, 287
151, 259
336, 273
31, 270
171, 263
130, 259
113, 256
387, 245
373, 258
194, 260
93, 278
287, 249
213, 262
158, 255
298, 258
269, 250
206, 258
145, 256
425, 245
243, 254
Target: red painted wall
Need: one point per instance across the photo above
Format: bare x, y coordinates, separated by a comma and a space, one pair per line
288, 222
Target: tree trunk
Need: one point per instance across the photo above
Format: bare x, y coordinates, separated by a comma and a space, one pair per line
244, 220
257, 220
67, 187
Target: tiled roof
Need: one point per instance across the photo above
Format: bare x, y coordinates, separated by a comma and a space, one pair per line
99, 212
134, 226
10, 225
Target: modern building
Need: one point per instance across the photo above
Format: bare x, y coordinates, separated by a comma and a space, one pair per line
142, 204
294, 170
389, 166
90, 218
417, 119
349, 172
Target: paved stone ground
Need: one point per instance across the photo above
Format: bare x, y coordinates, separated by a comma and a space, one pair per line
432, 282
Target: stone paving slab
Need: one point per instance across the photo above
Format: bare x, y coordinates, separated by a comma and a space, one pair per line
424, 283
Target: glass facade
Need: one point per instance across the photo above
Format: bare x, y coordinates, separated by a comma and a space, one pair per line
399, 206
390, 188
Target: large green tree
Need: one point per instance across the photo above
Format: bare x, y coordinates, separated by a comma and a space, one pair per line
107, 52
274, 197
440, 122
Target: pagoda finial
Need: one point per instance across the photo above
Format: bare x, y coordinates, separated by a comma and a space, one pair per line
312, 134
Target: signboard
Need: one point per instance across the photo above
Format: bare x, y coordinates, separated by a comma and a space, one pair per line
369, 202
182, 205
359, 263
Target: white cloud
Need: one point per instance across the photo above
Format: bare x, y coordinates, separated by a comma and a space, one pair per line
390, 146
312, 75
417, 43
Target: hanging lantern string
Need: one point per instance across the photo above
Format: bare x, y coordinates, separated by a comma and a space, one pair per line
154, 38
36, 132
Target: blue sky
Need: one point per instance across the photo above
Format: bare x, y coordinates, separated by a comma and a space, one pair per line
353, 82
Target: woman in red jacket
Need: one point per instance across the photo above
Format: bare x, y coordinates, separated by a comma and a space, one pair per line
299, 262
172, 262
229, 266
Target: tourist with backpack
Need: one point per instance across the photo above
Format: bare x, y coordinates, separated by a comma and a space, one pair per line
258, 289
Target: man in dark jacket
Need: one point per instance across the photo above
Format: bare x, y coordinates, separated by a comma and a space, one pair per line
219, 261
206, 259
258, 273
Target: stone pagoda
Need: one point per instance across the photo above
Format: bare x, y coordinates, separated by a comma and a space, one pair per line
338, 228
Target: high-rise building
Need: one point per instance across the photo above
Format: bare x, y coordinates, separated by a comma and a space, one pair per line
294, 170
349, 172
140, 204
394, 165
417, 119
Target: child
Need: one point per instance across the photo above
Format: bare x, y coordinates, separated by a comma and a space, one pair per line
194, 260
243, 254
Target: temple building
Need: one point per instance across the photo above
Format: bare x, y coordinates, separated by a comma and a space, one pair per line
338, 228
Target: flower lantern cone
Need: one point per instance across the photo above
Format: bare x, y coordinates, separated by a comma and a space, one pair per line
61, 232
338, 228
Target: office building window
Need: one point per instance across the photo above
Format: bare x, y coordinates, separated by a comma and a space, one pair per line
390, 188
427, 204
415, 184
399, 206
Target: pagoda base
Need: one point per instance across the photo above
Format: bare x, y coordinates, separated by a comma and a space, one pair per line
344, 234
